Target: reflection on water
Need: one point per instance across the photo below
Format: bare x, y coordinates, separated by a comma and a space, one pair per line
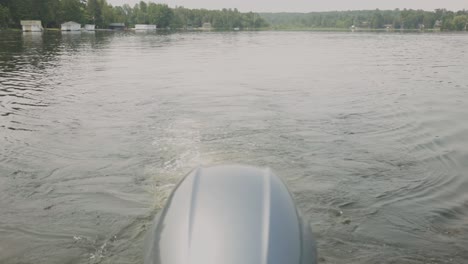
32, 39
367, 129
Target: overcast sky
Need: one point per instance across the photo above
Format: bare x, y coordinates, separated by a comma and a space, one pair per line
308, 5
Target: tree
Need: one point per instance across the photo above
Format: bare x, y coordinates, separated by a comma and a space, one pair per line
94, 12
107, 13
4, 16
73, 10
459, 22
377, 20
160, 14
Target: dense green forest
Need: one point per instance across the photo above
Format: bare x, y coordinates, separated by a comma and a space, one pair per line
373, 19
54, 12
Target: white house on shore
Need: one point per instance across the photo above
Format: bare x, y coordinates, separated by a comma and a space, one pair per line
89, 27
206, 26
145, 27
70, 26
32, 25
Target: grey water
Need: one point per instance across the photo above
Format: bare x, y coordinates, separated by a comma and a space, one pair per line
370, 132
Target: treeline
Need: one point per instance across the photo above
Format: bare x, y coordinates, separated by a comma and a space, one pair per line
219, 19
99, 12
54, 12
373, 19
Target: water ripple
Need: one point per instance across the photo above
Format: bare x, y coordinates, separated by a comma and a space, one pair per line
367, 129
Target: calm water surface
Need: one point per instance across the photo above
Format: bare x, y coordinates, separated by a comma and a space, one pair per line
370, 131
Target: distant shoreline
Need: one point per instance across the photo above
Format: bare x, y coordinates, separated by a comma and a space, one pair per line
103, 15
289, 29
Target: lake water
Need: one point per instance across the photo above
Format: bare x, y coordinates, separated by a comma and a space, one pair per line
370, 131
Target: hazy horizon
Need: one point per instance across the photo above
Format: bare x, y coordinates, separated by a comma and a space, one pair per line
307, 5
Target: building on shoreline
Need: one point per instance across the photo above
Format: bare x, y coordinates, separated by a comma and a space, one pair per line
438, 25
117, 26
89, 27
146, 27
32, 25
388, 27
206, 26
70, 26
